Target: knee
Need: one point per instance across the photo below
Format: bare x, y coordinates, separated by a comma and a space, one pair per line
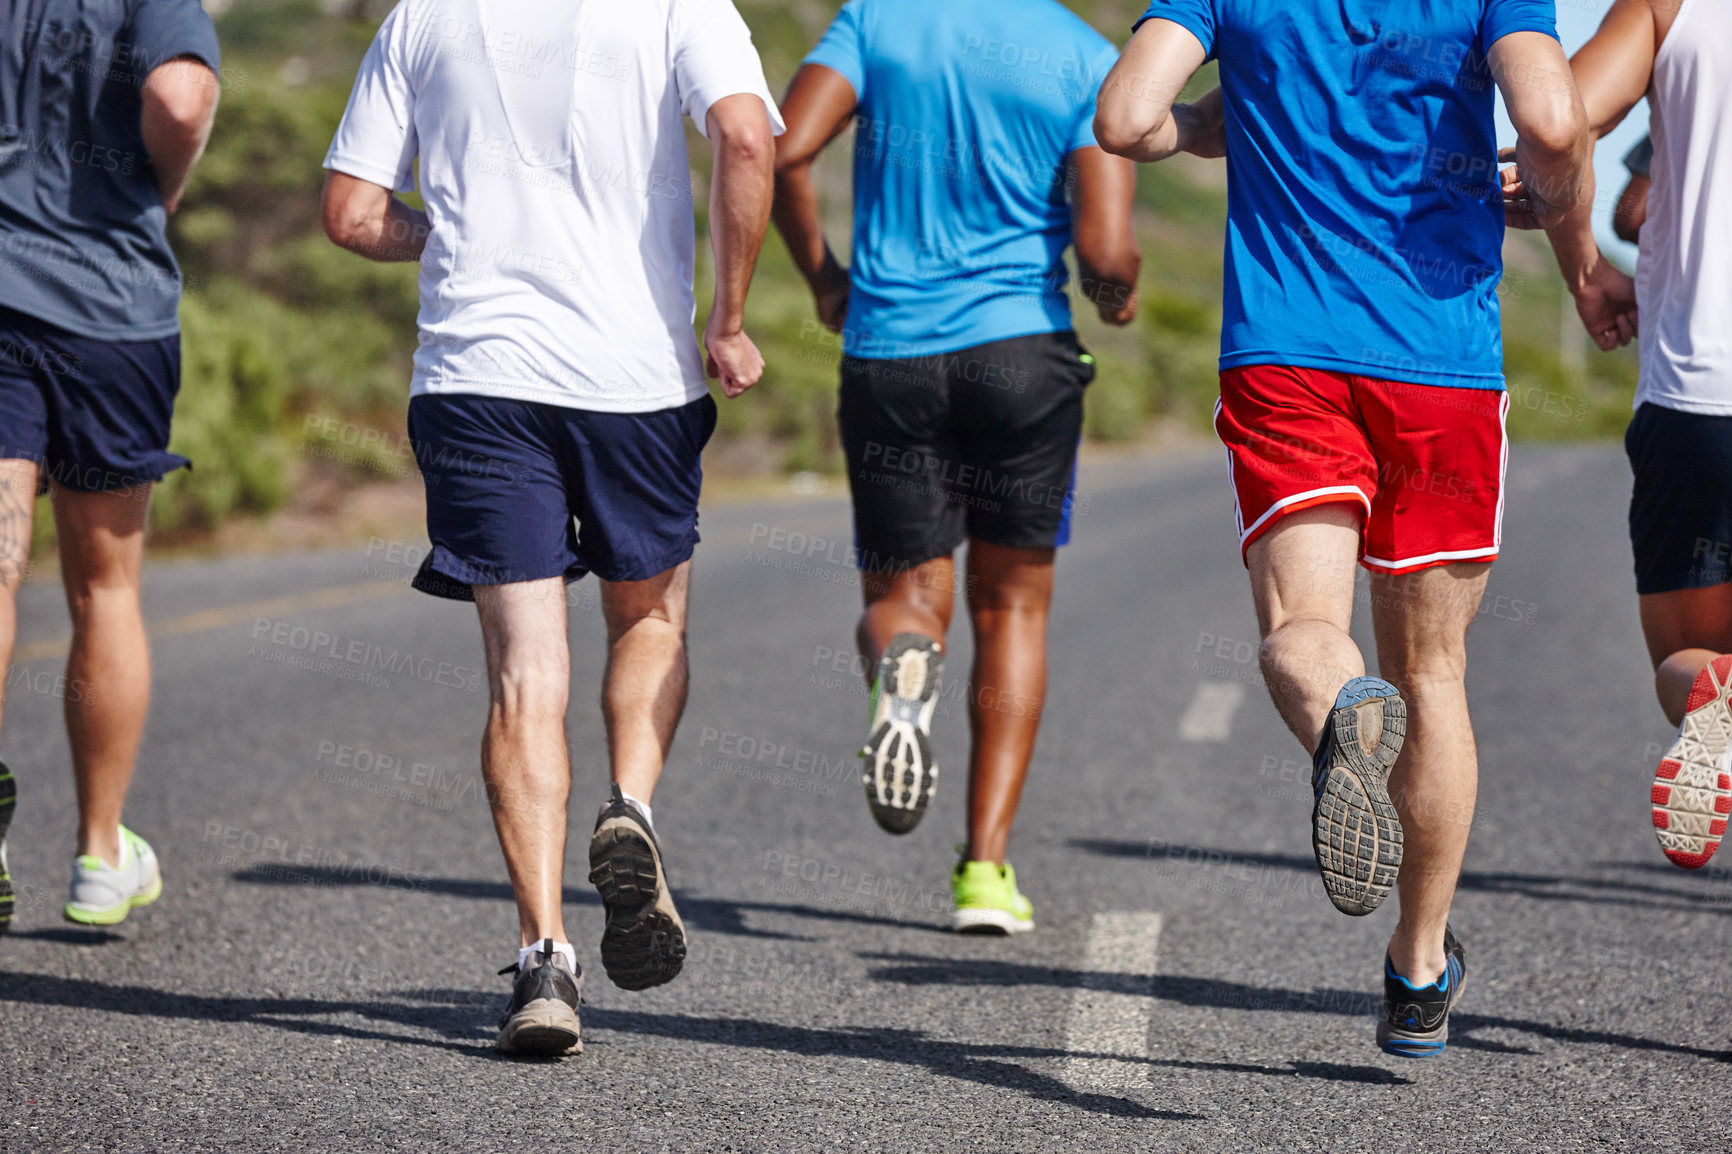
101, 591
1444, 670
528, 692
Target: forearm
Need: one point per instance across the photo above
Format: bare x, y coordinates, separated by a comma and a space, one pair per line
397, 234
795, 213
173, 148
740, 195
1572, 238
177, 109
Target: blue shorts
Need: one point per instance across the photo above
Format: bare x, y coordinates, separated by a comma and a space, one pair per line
1681, 503
94, 415
505, 478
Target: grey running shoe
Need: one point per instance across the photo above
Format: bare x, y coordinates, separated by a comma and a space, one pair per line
8, 801
644, 943
1416, 1018
899, 774
541, 1018
1355, 832
101, 895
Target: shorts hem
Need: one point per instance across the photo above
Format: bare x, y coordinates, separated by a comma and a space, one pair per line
444, 574
654, 567
113, 480
1428, 561
1334, 494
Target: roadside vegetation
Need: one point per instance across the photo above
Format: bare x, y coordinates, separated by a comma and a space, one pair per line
297, 355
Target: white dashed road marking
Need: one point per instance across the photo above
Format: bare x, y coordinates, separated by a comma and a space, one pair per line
1110, 1014
1210, 716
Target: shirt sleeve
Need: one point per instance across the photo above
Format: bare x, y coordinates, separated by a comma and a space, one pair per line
714, 57
376, 139
1503, 17
842, 48
1196, 16
165, 29
1082, 133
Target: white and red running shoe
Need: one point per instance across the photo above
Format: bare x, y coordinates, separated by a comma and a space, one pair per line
1693, 786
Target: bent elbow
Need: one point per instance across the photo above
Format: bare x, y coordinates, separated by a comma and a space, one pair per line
1113, 133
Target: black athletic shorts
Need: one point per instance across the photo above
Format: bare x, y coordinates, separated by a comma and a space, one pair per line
1681, 507
979, 443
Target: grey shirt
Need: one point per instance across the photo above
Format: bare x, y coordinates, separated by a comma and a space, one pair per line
82, 243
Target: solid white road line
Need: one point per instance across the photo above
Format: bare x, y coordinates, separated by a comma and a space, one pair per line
1210, 715
1111, 1013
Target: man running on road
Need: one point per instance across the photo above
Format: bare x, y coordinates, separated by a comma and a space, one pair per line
1362, 398
1678, 55
104, 110
558, 376
975, 167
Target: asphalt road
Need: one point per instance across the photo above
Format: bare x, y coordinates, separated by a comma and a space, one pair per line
319, 974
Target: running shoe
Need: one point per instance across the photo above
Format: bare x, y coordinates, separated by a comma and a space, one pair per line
1692, 792
102, 895
899, 775
8, 801
1416, 1018
644, 944
1355, 832
541, 1018
987, 900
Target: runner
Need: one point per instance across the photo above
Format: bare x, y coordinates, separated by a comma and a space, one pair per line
1362, 188
975, 166
104, 110
1680, 440
558, 376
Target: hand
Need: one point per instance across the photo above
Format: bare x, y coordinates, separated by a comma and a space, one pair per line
1118, 313
830, 294
1203, 126
731, 358
1606, 302
1518, 210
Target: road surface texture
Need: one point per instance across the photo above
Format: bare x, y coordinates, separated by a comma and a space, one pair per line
319, 974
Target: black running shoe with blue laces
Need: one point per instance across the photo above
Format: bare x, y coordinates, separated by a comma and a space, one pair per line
1416, 1018
541, 1019
1355, 832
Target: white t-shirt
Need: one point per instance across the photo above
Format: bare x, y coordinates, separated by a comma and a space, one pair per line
553, 167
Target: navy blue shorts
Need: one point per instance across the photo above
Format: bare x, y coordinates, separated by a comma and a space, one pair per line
505, 478
1681, 506
94, 415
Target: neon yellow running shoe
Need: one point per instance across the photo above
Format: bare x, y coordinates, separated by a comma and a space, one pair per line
102, 895
987, 900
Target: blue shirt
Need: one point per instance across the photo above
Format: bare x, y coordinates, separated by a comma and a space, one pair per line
82, 228
967, 111
1364, 215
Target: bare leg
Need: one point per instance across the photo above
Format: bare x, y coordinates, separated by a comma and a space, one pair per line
1010, 591
523, 753
1685, 630
108, 669
17, 513
644, 693
917, 600
1302, 582
1421, 621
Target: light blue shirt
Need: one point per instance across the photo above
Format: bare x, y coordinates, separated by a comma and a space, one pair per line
967, 111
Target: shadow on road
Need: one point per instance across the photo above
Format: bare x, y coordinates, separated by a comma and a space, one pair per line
1215, 994
1541, 887
453, 1013
968, 1062
715, 915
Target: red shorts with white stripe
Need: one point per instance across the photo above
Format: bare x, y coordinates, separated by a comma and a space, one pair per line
1425, 462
